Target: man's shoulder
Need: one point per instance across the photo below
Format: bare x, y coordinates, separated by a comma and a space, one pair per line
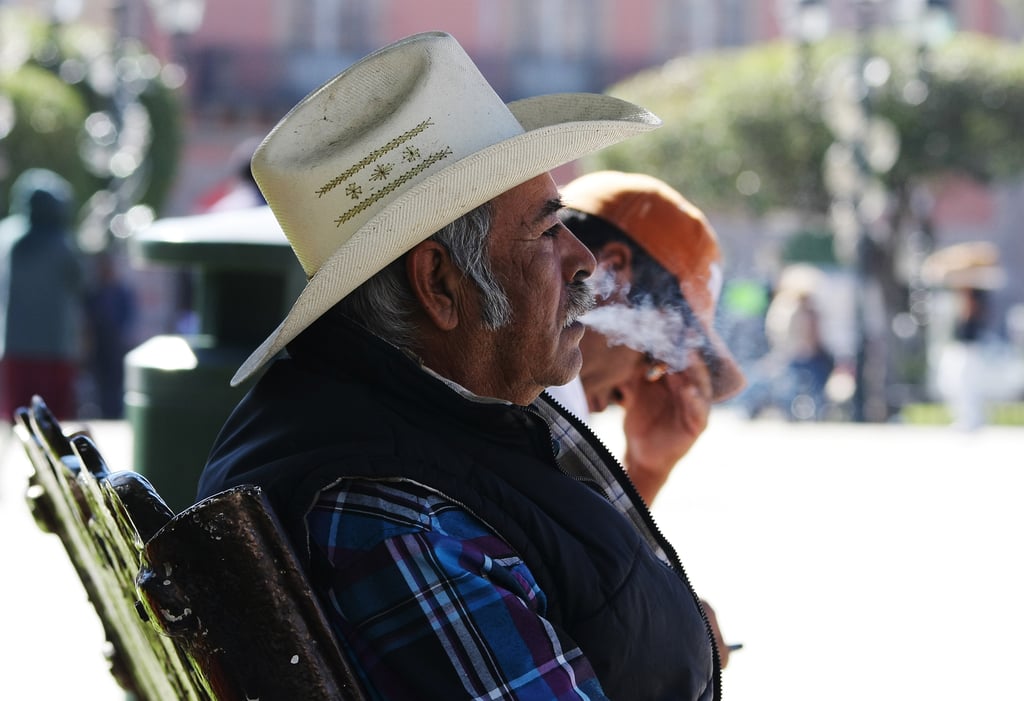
378, 509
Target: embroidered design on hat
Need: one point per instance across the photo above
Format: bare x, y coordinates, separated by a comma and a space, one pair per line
381, 171
375, 155
377, 195
364, 192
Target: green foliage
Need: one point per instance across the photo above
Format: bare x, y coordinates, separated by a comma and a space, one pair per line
164, 108
744, 130
970, 121
48, 116
997, 414
71, 72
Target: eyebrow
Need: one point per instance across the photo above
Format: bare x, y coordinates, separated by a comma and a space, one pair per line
552, 206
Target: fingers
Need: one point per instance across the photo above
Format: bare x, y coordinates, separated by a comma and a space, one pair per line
699, 375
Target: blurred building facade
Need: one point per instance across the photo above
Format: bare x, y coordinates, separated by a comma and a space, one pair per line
245, 75
251, 60
248, 61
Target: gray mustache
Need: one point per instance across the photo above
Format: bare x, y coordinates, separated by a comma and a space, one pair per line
581, 300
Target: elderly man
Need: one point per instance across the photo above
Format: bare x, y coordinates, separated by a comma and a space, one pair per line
467, 539
651, 346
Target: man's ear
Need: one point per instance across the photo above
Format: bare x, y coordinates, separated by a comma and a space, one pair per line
436, 283
616, 257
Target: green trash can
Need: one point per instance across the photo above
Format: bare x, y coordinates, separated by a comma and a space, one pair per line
177, 387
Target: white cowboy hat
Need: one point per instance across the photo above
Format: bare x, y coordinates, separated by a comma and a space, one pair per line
400, 144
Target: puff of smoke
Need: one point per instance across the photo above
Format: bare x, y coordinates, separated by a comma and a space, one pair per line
660, 331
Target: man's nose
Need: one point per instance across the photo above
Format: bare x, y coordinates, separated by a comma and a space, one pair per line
579, 262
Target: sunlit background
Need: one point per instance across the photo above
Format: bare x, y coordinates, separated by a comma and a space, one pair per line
862, 157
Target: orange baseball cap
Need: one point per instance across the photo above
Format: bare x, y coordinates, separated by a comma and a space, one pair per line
679, 237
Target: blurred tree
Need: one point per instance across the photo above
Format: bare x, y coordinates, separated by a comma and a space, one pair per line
92, 107
749, 131
745, 129
45, 124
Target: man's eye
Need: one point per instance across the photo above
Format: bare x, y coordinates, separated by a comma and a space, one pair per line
553, 231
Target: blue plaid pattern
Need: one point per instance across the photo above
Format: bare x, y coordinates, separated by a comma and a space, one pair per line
433, 605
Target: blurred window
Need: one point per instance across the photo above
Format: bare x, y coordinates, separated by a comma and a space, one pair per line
558, 29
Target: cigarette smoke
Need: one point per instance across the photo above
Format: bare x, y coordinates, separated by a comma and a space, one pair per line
641, 325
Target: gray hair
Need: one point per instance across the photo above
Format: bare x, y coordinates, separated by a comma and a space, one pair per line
384, 304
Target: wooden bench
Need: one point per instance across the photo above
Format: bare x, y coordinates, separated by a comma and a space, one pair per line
210, 603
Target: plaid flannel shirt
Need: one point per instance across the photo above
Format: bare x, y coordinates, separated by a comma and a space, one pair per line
433, 605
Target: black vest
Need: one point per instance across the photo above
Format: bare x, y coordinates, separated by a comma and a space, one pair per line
349, 405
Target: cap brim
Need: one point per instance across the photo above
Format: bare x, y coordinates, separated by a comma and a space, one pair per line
558, 129
727, 379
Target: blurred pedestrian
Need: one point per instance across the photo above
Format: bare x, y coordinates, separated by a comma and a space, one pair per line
110, 309
40, 296
963, 360
971, 271
793, 327
793, 377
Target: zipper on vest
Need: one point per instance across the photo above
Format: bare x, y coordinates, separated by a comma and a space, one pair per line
641, 506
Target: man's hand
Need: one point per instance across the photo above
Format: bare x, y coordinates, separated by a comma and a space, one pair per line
723, 649
662, 421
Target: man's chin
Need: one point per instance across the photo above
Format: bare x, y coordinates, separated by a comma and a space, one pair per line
572, 361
